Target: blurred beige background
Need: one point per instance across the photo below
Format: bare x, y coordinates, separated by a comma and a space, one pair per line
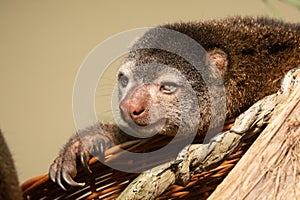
43, 43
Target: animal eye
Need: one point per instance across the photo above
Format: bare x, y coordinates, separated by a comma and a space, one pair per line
168, 87
123, 80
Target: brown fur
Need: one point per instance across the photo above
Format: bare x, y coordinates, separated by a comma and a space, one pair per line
259, 51
9, 184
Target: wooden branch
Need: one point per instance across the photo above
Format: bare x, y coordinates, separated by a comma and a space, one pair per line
271, 167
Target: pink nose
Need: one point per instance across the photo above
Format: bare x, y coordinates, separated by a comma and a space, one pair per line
136, 104
136, 109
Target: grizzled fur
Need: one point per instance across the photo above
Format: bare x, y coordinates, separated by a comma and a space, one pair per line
9, 184
256, 53
259, 52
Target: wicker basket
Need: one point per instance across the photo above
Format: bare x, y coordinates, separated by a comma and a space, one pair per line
107, 183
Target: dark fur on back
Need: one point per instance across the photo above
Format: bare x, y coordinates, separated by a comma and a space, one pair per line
259, 50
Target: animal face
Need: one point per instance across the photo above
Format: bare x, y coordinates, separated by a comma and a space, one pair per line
154, 98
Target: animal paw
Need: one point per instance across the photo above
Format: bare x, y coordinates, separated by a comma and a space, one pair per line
77, 151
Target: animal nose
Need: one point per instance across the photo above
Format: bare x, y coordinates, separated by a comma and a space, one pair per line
136, 105
136, 109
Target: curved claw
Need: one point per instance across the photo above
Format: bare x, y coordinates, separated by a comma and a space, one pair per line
58, 181
52, 173
99, 151
84, 159
102, 150
69, 180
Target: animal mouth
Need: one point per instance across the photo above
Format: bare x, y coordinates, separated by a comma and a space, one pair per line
147, 130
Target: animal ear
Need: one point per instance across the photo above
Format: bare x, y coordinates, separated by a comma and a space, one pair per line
218, 58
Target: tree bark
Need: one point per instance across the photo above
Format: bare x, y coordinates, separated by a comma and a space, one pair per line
271, 167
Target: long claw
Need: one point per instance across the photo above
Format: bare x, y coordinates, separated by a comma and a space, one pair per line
99, 152
84, 161
102, 150
58, 180
52, 174
69, 180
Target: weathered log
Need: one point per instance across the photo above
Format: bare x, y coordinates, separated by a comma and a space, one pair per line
271, 167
